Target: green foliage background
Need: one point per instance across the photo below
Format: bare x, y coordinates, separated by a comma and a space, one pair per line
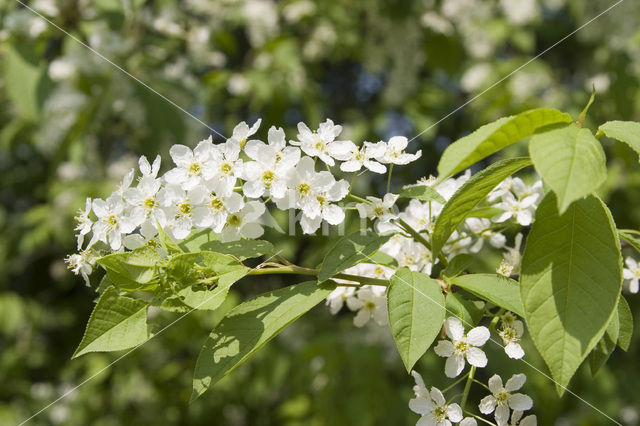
71, 125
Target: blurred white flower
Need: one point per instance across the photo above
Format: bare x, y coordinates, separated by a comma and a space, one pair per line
434, 409
371, 303
318, 143
631, 275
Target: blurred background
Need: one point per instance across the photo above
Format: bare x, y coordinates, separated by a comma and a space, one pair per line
71, 125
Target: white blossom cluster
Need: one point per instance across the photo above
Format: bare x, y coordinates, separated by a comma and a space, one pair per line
503, 402
224, 187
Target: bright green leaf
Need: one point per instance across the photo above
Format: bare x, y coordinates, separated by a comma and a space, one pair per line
203, 279
167, 242
133, 270
249, 326
416, 313
570, 160
499, 290
422, 193
466, 310
469, 195
570, 281
458, 265
493, 137
485, 212
624, 131
116, 323
242, 249
350, 250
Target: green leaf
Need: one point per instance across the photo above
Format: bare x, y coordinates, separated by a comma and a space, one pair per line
630, 237
167, 242
603, 350
570, 281
493, 137
249, 326
499, 290
203, 279
381, 258
133, 270
466, 310
469, 195
350, 250
624, 131
116, 323
416, 313
241, 249
625, 320
422, 193
485, 212
457, 265
26, 81
570, 160
209, 241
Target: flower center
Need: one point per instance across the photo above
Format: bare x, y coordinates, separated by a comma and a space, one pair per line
369, 305
304, 189
379, 211
184, 209
149, 203
194, 169
461, 346
636, 273
440, 413
216, 204
268, 177
360, 156
112, 220
320, 146
225, 168
501, 397
234, 220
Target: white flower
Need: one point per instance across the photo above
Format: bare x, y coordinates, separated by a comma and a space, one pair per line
126, 183
337, 298
512, 259
355, 157
242, 132
318, 143
419, 389
462, 346
421, 216
81, 264
179, 206
143, 198
192, 166
370, 302
112, 221
244, 223
217, 200
267, 175
434, 409
332, 213
631, 275
468, 421
377, 208
502, 399
394, 152
481, 228
305, 185
148, 170
84, 222
521, 209
517, 420
511, 332
226, 164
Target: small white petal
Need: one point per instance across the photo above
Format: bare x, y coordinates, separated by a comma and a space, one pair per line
487, 404
520, 402
454, 412
454, 365
476, 357
454, 328
444, 348
478, 336
502, 415
515, 382
514, 350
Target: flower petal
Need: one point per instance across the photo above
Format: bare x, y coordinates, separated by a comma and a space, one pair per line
520, 402
454, 328
515, 382
478, 336
476, 357
444, 348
